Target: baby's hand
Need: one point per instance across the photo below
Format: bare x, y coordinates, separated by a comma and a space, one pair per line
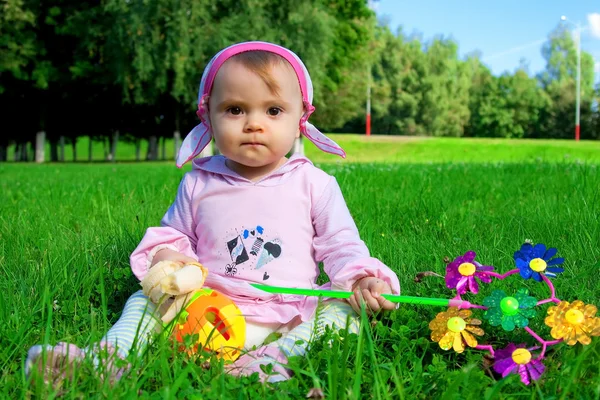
171, 278
368, 290
189, 278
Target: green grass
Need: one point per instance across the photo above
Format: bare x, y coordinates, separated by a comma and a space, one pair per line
385, 149
66, 232
396, 149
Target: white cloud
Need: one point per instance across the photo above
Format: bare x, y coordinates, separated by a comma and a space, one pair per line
594, 23
515, 49
597, 67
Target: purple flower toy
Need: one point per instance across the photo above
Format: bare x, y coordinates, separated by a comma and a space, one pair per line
518, 360
461, 274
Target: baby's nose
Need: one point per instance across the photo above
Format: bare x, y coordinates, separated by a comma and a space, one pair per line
253, 123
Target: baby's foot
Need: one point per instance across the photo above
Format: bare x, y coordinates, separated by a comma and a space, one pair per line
251, 362
58, 364
61, 361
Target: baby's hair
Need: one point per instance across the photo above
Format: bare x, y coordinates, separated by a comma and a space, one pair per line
260, 62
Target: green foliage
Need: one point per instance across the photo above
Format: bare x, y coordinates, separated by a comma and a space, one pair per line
396, 84
445, 88
141, 61
17, 41
508, 106
425, 89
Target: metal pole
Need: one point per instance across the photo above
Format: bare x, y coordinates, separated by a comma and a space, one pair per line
368, 132
578, 96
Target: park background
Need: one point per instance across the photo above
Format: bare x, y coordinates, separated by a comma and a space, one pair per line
461, 157
128, 71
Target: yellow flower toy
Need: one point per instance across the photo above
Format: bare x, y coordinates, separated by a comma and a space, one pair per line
454, 329
573, 322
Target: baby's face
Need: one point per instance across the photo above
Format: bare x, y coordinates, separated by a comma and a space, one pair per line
253, 127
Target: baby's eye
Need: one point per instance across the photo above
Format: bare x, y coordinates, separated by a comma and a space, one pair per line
234, 110
274, 111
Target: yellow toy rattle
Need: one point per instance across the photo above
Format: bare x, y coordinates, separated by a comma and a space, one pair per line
187, 309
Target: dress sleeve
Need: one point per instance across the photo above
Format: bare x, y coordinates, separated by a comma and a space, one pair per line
338, 245
177, 231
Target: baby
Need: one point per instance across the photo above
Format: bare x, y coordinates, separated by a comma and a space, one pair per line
252, 215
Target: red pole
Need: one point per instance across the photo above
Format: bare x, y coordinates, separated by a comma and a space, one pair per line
368, 124
577, 127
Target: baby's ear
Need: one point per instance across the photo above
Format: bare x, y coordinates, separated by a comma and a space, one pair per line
207, 110
203, 107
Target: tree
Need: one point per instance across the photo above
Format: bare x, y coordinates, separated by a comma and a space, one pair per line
127, 70
445, 87
397, 73
18, 49
508, 106
347, 30
17, 40
419, 90
595, 131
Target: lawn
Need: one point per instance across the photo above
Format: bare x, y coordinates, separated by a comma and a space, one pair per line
66, 232
386, 149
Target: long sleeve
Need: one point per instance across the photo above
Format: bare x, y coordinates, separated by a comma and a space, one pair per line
176, 232
338, 245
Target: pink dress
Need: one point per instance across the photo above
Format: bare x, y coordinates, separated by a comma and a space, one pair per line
274, 231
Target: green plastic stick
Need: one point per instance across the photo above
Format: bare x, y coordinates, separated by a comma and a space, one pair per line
395, 298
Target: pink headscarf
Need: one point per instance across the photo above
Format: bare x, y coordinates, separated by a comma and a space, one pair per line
201, 135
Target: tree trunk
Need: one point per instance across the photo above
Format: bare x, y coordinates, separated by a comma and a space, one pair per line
90, 157
61, 142
177, 142
40, 143
105, 147
138, 149
152, 148
24, 156
113, 148
74, 147
53, 150
163, 149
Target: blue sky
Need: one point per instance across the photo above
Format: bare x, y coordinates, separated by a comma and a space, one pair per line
503, 31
